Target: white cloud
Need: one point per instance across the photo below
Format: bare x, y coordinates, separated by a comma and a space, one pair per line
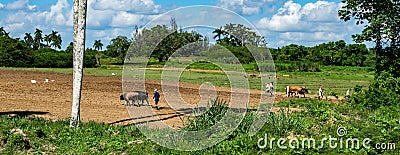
119, 13
19, 4
99, 34
294, 17
31, 7
124, 19
231, 4
321, 11
15, 27
138, 6
311, 36
103, 23
281, 43
250, 10
58, 14
310, 24
97, 18
246, 7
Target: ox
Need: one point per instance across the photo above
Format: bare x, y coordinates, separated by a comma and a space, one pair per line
134, 96
290, 90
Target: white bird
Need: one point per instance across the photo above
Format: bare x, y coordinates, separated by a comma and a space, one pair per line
46, 80
33, 81
113, 74
53, 80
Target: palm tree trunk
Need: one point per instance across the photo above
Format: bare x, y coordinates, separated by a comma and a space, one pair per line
80, 7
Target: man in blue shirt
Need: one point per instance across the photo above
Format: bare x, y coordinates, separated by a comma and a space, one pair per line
156, 97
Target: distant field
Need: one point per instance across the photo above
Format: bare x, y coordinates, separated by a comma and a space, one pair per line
333, 78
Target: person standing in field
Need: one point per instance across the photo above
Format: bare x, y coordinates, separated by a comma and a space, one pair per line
156, 97
320, 92
267, 89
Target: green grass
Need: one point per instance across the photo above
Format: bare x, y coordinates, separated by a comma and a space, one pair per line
319, 120
335, 79
332, 81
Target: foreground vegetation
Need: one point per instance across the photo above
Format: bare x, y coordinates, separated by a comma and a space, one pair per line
318, 120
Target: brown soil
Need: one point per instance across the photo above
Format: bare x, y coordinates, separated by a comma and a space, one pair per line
100, 97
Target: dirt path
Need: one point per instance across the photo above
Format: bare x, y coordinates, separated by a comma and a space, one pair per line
100, 97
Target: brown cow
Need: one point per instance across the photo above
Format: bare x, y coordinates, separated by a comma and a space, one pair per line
290, 90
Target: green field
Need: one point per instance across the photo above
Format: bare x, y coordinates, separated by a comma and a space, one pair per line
333, 78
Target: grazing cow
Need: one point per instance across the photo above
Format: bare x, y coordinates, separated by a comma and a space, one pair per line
134, 96
290, 90
253, 75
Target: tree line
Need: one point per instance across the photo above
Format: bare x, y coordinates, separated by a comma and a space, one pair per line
336, 53
38, 50
44, 51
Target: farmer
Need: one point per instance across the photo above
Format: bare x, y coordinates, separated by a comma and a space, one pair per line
156, 97
320, 92
267, 89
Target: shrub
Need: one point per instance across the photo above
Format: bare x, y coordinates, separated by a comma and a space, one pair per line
297, 66
209, 118
47, 57
14, 53
383, 91
283, 122
89, 60
266, 67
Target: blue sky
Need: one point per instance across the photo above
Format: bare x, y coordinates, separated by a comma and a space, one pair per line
305, 22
